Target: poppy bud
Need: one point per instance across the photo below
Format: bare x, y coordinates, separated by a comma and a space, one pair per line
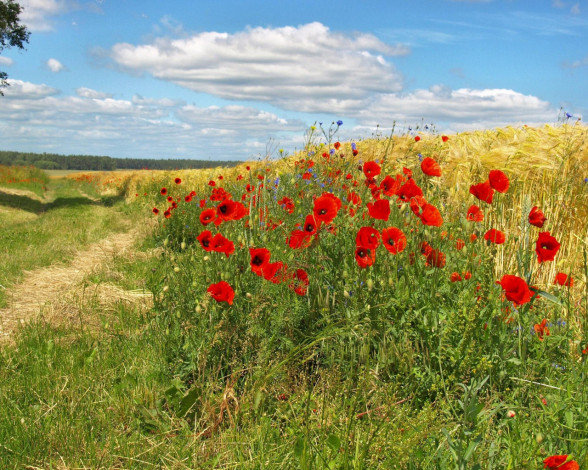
198, 308
183, 245
176, 269
370, 284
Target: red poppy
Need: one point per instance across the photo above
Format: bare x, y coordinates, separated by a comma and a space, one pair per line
417, 138
444, 138
407, 172
498, 180
495, 236
287, 204
163, 191
426, 248
354, 198
155, 210
416, 205
459, 244
221, 244
274, 272
337, 145
177, 180
536, 217
430, 167
207, 216
541, 329
222, 292
260, 257
467, 275
326, 207
205, 239
409, 190
299, 239
368, 237
301, 282
563, 280
483, 191
455, 277
188, 198
436, 259
431, 216
379, 209
355, 152
311, 225
558, 462
364, 256
394, 240
167, 214
515, 289
212, 183
371, 169
390, 186
230, 210
546, 247
475, 214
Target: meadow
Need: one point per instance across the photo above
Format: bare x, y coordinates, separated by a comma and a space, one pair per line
406, 301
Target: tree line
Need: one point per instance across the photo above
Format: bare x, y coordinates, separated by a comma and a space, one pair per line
52, 161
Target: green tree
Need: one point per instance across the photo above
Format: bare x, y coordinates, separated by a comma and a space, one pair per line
12, 33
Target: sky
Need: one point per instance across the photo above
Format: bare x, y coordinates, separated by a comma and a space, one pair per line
241, 79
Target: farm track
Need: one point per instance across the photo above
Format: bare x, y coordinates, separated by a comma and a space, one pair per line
56, 293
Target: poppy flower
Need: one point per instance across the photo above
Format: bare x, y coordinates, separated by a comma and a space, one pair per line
205, 239
536, 217
475, 214
459, 244
326, 207
559, 462
299, 239
467, 275
167, 214
394, 240
444, 138
409, 190
436, 259
541, 329
311, 225
431, 216
515, 289
483, 191
222, 292
390, 186
212, 183
221, 244
495, 236
368, 237
155, 210
498, 180
430, 167
260, 257
207, 216
337, 145
300, 282
177, 180
546, 247
379, 209
274, 272
371, 169
163, 191
417, 138
563, 280
455, 277
364, 256
426, 248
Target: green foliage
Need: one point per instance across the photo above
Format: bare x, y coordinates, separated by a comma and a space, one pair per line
12, 33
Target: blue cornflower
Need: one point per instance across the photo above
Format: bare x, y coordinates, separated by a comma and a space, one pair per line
353, 146
585, 180
339, 123
568, 116
420, 157
332, 151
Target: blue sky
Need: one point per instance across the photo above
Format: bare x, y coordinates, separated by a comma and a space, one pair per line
234, 79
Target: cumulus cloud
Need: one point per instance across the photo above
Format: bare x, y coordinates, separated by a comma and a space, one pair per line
83, 92
6, 61
299, 68
55, 66
38, 15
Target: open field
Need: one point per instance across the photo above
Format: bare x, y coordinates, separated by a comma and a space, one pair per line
399, 302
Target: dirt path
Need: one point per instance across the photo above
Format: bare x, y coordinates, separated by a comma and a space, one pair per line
55, 292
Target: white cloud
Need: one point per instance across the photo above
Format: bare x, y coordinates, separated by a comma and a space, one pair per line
38, 15
92, 94
55, 66
579, 63
298, 68
6, 61
26, 90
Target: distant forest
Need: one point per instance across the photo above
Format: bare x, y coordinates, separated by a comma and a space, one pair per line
52, 161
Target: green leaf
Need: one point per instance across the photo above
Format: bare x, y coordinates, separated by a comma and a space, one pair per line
548, 296
333, 442
299, 446
188, 401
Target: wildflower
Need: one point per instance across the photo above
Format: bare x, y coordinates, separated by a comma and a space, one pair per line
259, 259
326, 207
311, 225
459, 244
536, 217
368, 237
155, 210
364, 256
207, 216
205, 239
177, 181
560, 462
436, 259
339, 122
167, 214
222, 292
498, 180
430, 167
455, 277
299, 239
300, 282
379, 209
475, 214
515, 289
511, 414
541, 329
390, 186
563, 280
417, 138
408, 190
212, 183
371, 169
444, 138
220, 244
163, 191
394, 240
495, 236
483, 191
431, 216
337, 145
546, 247
274, 272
